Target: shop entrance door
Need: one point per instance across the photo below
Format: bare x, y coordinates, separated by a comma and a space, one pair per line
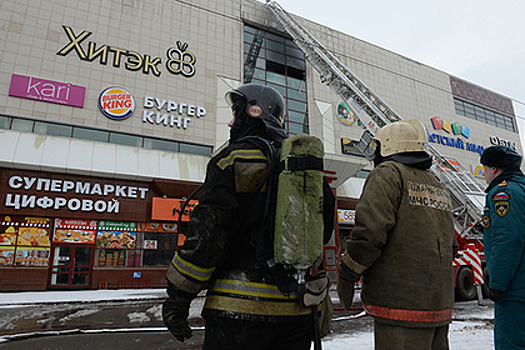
71, 266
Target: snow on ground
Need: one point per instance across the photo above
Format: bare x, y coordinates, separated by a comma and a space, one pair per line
462, 336
470, 329
86, 296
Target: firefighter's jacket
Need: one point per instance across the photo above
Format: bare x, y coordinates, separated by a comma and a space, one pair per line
404, 244
219, 253
504, 237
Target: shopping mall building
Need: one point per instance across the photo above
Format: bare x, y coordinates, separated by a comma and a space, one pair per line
110, 110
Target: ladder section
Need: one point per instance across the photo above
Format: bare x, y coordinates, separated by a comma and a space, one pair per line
467, 194
468, 197
373, 112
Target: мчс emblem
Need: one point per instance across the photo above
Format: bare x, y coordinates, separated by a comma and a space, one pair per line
502, 208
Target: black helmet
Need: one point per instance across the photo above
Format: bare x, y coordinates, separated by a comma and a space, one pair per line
260, 102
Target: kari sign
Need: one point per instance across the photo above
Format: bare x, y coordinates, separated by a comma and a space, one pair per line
47, 90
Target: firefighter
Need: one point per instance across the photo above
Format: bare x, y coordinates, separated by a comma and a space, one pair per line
504, 241
244, 307
402, 245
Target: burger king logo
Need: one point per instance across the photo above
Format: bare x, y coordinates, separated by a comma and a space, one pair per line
116, 103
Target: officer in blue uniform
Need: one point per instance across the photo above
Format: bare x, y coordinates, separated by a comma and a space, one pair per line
504, 221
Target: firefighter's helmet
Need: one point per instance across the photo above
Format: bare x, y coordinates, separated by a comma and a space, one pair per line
263, 102
401, 137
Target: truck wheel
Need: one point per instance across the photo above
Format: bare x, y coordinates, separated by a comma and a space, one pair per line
465, 289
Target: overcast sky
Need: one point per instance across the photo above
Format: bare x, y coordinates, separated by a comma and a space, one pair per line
481, 41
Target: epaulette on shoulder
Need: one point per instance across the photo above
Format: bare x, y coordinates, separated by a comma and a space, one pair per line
503, 184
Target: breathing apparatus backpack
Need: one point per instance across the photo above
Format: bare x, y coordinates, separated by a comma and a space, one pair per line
289, 241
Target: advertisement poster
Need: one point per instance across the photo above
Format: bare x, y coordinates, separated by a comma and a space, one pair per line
24, 231
161, 227
7, 255
27, 256
117, 225
8, 237
75, 231
33, 236
74, 236
116, 239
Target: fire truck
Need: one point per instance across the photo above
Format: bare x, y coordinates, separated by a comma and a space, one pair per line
467, 194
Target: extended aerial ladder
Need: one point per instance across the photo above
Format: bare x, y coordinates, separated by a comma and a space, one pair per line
467, 193
374, 113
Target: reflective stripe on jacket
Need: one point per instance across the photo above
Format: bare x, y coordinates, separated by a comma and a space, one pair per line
219, 253
404, 239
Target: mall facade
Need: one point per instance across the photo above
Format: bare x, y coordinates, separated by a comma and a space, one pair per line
110, 111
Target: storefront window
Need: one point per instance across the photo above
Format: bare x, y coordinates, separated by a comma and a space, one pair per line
153, 244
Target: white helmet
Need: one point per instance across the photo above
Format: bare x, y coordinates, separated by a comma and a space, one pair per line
400, 137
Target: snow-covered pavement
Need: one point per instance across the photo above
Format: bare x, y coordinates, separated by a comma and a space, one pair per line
471, 328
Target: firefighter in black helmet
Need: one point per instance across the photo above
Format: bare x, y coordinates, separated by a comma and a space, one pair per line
244, 308
259, 110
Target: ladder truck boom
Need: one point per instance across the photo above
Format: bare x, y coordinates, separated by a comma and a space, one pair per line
467, 194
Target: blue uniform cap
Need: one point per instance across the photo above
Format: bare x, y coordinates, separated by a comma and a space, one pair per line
501, 157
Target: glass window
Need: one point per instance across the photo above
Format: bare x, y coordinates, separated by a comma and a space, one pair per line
161, 145
254, 81
276, 68
254, 61
90, 134
22, 125
195, 149
296, 83
126, 140
297, 106
298, 117
296, 63
294, 52
275, 46
161, 241
4, 122
157, 257
491, 122
275, 37
296, 73
114, 257
254, 46
499, 118
275, 57
53, 129
251, 29
281, 89
277, 78
284, 67
248, 37
297, 94
298, 128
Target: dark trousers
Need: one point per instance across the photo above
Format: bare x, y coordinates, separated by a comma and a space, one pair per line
389, 337
229, 334
509, 325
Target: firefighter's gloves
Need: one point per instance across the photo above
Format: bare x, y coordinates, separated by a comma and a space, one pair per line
316, 291
496, 295
345, 285
175, 312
